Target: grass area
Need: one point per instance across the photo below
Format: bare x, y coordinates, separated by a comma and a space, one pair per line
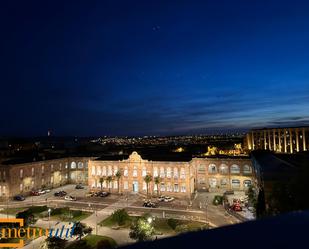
12, 211
162, 226
92, 240
109, 222
65, 214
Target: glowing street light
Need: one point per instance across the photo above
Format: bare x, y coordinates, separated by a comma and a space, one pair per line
149, 220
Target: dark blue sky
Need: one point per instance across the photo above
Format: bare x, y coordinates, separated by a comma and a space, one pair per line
152, 67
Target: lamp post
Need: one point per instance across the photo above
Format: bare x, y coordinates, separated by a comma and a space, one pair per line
49, 211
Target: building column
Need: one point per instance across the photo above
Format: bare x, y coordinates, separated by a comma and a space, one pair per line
274, 139
284, 136
304, 140
252, 138
269, 140
249, 141
265, 142
297, 140
291, 141
279, 140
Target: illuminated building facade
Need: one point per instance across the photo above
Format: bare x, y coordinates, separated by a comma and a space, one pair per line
177, 178
283, 140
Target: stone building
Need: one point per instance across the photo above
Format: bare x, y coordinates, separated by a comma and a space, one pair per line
178, 178
22, 177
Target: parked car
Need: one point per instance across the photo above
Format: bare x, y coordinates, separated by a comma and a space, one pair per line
19, 198
34, 193
41, 191
79, 186
236, 207
60, 193
90, 194
149, 204
104, 194
161, 198
168, 199
47, 190
70, 198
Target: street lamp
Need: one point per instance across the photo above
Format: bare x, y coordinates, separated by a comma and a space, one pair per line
149, 220
49, 211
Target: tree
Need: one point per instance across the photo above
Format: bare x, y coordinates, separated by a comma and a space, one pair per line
147, 179
157, 181
101, 180
120, 216
109, 179
81, 229
54, 243
141, 230
118, 176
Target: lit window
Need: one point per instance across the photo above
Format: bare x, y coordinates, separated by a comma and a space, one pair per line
21, 173
93, 170
183, 188
115, 170
110, 171
125, 185
155, 171
32, 171
212, 168
80, 165
212, 182
235, 183
73, 165
162, 187
224, 182
223, 169
98, 170
144, 172
182, 173
168, 173
247, 169
247, 183
176, 188
235, 169
104, 171
175, 173
125, 173
162, 173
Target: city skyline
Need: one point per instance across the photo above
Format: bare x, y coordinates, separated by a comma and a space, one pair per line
163, 68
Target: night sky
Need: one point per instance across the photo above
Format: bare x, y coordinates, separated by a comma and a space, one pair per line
90, 68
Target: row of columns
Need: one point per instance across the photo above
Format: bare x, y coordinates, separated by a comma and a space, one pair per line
272, 136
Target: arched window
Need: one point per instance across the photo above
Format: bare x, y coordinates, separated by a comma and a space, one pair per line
98, 170
247, 183
201, 168
212, 169
162, 172
224, 181
235, 183
223, 169
104, 171
155, 171
212, 182
125, 172
144, 172
80, 165
93, 170
182, 173
175, 173
115, 170
135, 171
235, 169
110, 171
168, 173
73, 165
247, 169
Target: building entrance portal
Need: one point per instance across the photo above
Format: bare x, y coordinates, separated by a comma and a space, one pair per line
135, 186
